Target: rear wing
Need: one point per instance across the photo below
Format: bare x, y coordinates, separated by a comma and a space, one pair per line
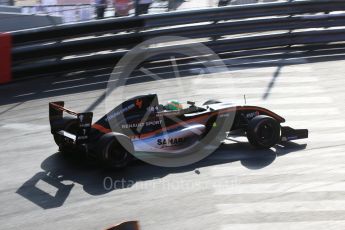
56, 119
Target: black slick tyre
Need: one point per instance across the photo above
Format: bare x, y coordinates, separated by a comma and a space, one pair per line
263, 132
111, 153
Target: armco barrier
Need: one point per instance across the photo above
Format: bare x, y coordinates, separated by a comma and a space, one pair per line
178, 18
305, 23
128, 41
5, 58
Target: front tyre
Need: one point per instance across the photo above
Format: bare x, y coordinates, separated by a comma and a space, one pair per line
111, 152
263, 132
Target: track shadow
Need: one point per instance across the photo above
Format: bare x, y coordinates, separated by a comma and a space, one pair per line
32, 192
62, 172
272, 82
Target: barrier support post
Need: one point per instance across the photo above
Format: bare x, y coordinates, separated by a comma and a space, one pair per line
5, 58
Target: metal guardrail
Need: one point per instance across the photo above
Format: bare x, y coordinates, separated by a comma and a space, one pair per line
200, 31
35, 52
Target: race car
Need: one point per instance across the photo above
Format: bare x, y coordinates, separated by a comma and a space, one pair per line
141, 124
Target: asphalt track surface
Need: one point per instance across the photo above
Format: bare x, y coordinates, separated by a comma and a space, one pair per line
297, 186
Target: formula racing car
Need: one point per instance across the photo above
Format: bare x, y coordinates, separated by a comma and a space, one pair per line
141, 124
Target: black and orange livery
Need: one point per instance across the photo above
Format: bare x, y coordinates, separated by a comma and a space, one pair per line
141, 124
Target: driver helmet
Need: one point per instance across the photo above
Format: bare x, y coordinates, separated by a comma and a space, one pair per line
173, 105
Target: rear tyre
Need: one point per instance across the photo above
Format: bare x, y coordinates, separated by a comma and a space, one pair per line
111, 153
263, 132
70, 125
212, 101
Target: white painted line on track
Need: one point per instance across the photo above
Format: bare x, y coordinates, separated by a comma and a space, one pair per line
25, 94
293, 100
309, 112
288, 90
305, 225
77, 86
24, 126
292, 80
276, 207
102, 75
270, 70
281, 188
66, 81
317, 124
297, 169
317, 153
325, 138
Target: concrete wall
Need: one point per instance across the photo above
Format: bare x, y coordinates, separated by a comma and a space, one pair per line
15, 21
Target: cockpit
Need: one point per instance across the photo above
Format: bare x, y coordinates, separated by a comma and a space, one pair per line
176, 108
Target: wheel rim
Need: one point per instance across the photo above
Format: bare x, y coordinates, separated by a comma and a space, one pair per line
266, 133
115, 155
